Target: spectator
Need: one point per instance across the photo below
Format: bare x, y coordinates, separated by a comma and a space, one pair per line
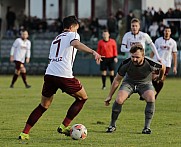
10, 18
161, 28
130, 16
160, 15
112, 25
94, 27
153, 31
20, 18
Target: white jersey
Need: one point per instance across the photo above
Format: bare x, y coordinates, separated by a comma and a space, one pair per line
20, 49
153, 30
165, 49
62, 55
129, 39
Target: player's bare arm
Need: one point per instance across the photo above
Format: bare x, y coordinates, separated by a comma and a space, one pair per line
151, 54
82, 47
116, 60
174, 54
27, 60
160, 77
114, 86
12, 54
11, 58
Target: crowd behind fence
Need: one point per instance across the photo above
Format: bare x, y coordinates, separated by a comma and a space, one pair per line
42, 33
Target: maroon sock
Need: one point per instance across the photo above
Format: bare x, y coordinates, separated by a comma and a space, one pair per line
73, 111
33, 118
23, 75
15, 76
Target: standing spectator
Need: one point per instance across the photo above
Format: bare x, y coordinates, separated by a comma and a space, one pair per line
154, 15
107, 48
94, 27
167, 50
112, 25
169, 13
10, 19
153, 31
119, 14
19, 52
174, 31
161, 28
59, 75
20, 18
119, 17
130, 16
147, 19
136, 73
160, 15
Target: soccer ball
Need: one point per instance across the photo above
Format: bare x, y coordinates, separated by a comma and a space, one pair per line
78, 132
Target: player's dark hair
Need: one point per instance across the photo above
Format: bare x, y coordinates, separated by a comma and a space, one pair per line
105, 30
135, 20
166, 27
24, 30
70, 20
136, 47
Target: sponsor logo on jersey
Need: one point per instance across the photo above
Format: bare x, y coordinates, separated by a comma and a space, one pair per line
134, 43
164, 47
56, 59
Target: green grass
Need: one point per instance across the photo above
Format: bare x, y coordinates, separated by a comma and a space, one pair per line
16, 105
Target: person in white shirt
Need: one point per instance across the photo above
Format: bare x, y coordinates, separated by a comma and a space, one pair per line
153, 31
59, 75
167, 50
20, 52
135, 36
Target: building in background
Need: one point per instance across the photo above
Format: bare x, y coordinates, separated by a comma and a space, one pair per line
52, 9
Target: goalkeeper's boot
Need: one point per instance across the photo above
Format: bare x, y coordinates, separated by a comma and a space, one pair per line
64, 130
23, 136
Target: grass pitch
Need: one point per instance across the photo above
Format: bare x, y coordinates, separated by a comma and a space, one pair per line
16, 105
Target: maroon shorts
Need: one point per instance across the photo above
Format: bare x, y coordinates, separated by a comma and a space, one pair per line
18, 64
167, 71
53, 83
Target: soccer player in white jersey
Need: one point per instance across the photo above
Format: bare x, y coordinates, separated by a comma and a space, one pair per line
167, 50
59, 75
20, 52
135, 36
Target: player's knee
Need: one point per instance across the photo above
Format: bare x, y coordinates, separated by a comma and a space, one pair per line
46, 101
82, 97
150, 98
23, 70
120, 101
17, 72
